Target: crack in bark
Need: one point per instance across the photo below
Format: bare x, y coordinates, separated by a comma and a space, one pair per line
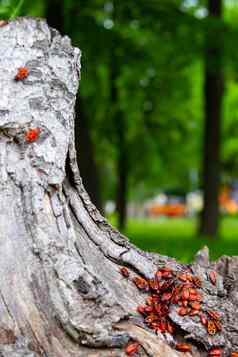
7, 308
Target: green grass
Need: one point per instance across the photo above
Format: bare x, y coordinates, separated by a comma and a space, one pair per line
177, 237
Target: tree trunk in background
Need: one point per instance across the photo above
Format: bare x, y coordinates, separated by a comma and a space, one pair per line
83, 141
62, 291
86, 158
122, 168
55, 14
120, 122
213, 96
122, 172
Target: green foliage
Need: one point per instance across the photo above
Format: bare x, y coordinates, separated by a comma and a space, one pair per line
151, 53
10, 8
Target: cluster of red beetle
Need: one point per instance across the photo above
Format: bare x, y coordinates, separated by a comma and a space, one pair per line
32, 134
181, 288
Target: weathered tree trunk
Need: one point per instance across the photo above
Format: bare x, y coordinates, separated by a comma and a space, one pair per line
61, 290
55, 10
213, 96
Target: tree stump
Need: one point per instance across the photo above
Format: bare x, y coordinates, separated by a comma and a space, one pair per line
62, 291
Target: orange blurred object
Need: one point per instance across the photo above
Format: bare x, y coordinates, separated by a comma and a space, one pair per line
226, 202
169, 210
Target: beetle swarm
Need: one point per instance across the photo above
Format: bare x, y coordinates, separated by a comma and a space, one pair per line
183, 289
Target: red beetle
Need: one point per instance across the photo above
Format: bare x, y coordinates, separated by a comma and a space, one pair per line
151, 318
163, 326
32, 135
22, 73
170, 327
141, 309
215, 352
166, 297
197, 282
125, 272
184, 303
158, 275
196, 306
211, 328
183, 347
185, 293
218, 325
166, 272
158, 308
154, 284
132, 348
194, 312
149, 309
183, 311
141, 283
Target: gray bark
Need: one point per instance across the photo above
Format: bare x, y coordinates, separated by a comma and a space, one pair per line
61, 292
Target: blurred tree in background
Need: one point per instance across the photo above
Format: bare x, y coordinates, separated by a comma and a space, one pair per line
150, 114
213, 112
